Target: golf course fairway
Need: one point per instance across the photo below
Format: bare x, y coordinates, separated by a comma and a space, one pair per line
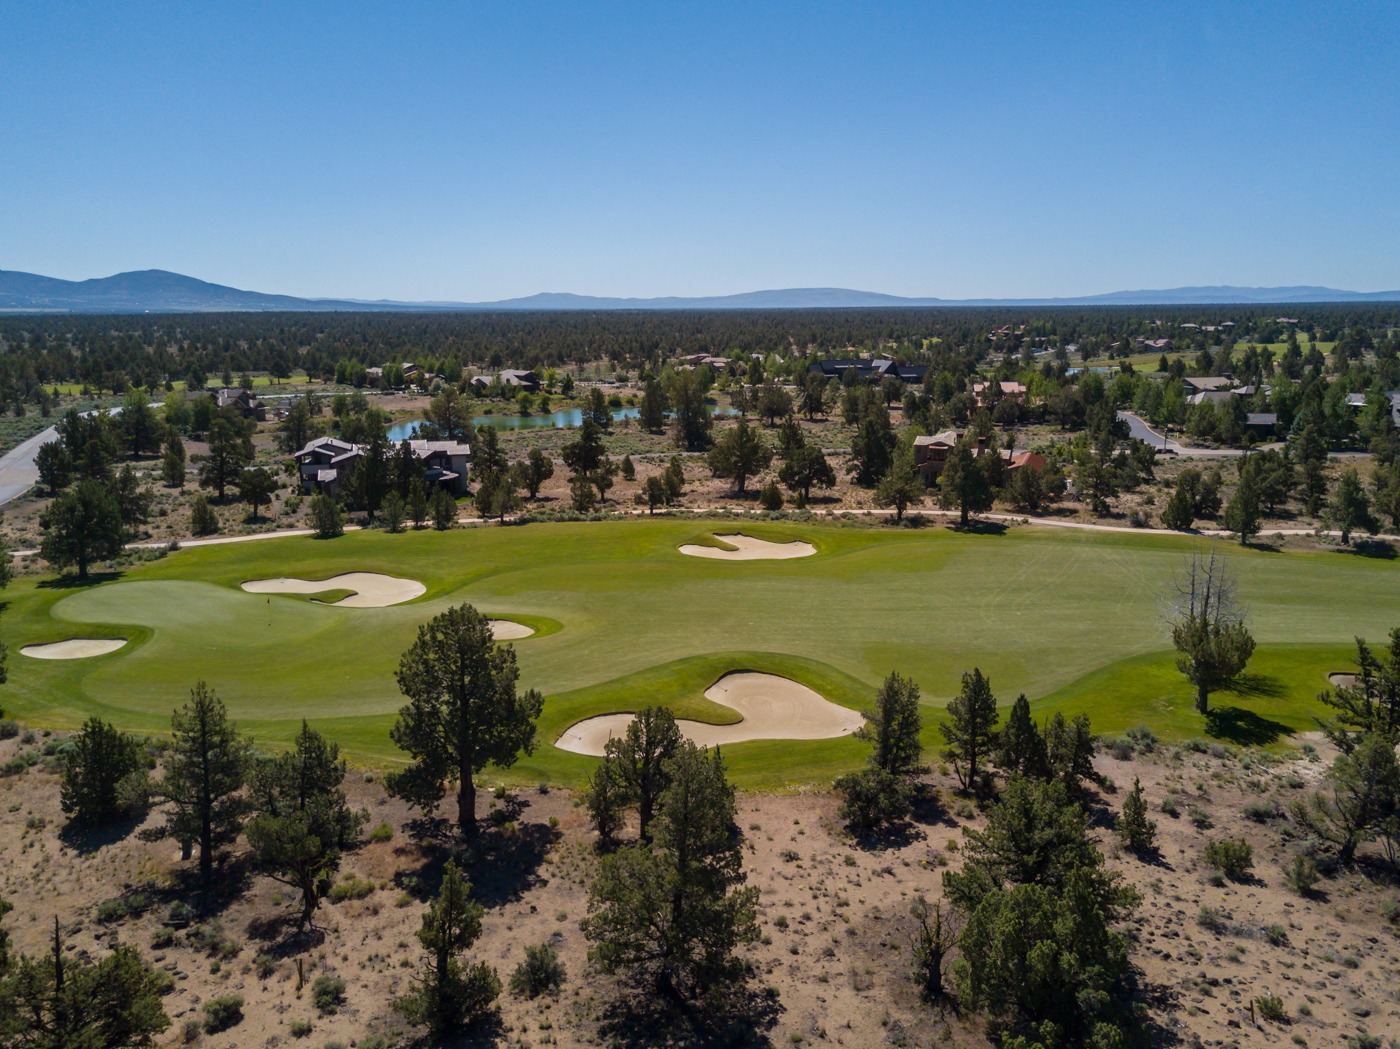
621, 619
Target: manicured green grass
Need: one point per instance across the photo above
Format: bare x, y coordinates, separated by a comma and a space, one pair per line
1073, 619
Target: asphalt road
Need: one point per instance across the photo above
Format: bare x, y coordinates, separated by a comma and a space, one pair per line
17, 471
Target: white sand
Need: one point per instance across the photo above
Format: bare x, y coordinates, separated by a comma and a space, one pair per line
772, 707
1342, 680
75, 648
505, 630
372, 590
747, 548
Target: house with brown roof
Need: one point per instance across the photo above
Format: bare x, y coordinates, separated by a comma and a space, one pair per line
985, 394
242, 400
931, 454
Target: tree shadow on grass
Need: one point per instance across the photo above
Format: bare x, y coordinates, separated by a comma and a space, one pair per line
1255, 686
1379, 549
72, 582
1244, 728
976, 527
641, 1020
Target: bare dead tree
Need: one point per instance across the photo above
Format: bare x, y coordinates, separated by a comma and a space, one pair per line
1208, 625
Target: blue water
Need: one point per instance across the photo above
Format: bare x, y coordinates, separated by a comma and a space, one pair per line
565, 418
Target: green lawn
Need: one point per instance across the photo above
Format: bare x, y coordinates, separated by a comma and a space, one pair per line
1072, 619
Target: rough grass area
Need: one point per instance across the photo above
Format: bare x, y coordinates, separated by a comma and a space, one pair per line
1073, 619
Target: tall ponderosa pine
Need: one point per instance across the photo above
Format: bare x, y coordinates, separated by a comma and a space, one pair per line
1020, 746
205, 770
449, 995
962, 485
304, 821
463, 712
671, 915
82, 526
971, 728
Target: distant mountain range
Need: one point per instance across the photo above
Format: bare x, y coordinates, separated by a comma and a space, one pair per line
159, 291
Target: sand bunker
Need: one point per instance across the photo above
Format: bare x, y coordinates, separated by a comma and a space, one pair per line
372, 590
75, 648
772, 708
747, 548
505, 630
1342, 680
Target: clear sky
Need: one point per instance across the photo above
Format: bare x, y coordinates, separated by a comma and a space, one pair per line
478, 151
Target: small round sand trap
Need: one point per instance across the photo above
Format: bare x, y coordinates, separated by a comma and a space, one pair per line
372, 590
747, 548
74, 648
772, 707
505, 630
1342, 680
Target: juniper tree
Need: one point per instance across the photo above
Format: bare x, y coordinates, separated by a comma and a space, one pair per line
99, 760
640, 761
1208, 627
1135, 830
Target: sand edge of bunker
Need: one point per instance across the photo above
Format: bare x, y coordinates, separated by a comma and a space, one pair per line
371, 589
740, 547
770, 706
510, 630
74, 648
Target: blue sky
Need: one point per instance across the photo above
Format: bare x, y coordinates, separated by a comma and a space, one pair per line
480, 151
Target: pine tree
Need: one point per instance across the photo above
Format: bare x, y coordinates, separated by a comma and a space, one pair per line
1242, 512
100, 758
639, 760
1135, 830
893, 726
1020, 747
448, 995
903, 486
971, 730
462, 714
205, 769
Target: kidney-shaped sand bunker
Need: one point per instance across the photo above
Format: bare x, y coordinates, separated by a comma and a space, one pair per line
74, 648
772, 707
747, 548
372, 590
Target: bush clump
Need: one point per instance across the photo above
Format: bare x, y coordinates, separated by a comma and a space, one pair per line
222, 1012
541, 971
328, 994
1232, 857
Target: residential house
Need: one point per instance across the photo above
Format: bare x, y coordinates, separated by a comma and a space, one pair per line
1358, 401
872, 371
1013, 390
525, 380
327, 462
931, 454
242, 400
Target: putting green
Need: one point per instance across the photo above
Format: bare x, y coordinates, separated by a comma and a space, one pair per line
1073, 619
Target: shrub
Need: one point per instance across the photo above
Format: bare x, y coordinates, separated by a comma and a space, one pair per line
300, 1028
1200, 818
1276, 935
222, 1012
771, 497
1233, 857
1169, 808
328, 993
1301, 874
163, 937
1271, 1008
352, 888
541, 971
381, 833
874, 799
212, 940
264, 965
1212, 918
119, 908
190, 1031
9, 729
1262, 811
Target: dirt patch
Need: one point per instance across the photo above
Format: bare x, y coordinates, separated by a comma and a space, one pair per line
74, 648
747, 548
772, 707
371, 589
505, 630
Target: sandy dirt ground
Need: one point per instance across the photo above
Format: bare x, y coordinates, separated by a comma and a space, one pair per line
747, 548
372, 590
505, 630
772, 707
834, 955
74, 648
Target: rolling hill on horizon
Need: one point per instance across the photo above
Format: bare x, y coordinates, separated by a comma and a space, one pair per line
160, 291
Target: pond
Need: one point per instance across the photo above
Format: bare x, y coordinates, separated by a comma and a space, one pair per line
565, 418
